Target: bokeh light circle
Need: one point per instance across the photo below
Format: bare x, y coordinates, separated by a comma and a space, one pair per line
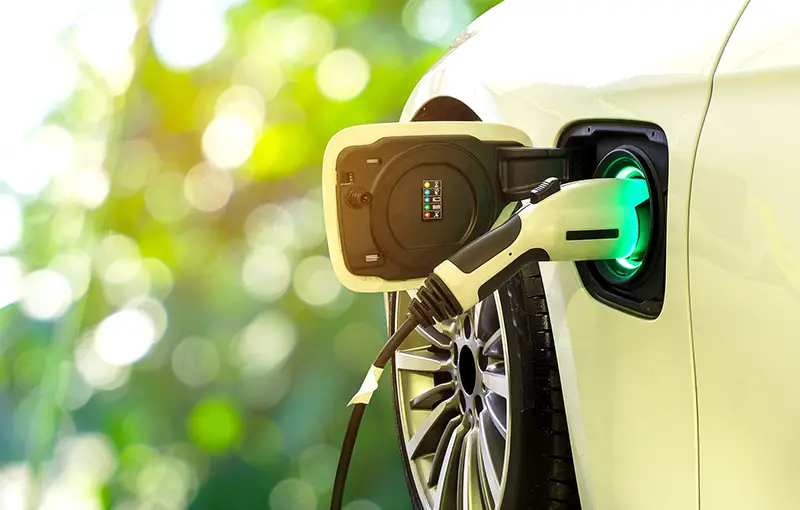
97, 372
76, 266
215, 424
11, 226
342, 74
124, 337
11, 276
266, 343
436, 21
266, 273
315, 282
195, 361
208, 188
245, 102
270, 225
293, 494
188, 33
316, 464
228, 140
91, 188
46, 295
47, 153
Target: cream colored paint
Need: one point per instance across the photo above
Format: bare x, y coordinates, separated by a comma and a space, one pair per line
745, 268
540, 66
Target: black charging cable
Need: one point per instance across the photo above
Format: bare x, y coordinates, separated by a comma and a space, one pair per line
433, 303
357, 414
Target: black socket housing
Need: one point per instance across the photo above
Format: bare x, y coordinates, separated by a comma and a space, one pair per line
643, 294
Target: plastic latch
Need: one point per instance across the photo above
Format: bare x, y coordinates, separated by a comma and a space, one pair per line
550, 186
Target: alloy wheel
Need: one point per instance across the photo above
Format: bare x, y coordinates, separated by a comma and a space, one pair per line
453, 393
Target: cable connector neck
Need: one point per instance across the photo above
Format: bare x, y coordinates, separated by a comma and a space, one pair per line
434, 302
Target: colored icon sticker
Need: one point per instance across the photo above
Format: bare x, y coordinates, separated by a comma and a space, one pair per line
432, 192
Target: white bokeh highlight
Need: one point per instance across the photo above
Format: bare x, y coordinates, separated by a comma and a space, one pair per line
436, 21
46, 295
270, 225
103, 38
195, 361
96, 372
266, 273
11, 280
124, 337
46, 154
245, 102
315, 282
76, 267
266, 343
229, 139
342, 74
208, 188
11, 226
188, 33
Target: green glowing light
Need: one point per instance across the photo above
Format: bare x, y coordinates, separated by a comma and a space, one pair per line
427, 207
630, 172
628, 167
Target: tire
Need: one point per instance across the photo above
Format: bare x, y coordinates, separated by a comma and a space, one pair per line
539, 472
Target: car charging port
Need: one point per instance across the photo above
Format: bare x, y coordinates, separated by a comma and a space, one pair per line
635, 283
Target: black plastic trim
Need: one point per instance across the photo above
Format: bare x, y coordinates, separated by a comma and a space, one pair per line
522, 168
588, 235
483, 249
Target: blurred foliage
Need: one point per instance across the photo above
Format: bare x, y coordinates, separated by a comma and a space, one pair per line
171, 333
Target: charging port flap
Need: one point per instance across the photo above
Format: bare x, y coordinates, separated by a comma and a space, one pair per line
401, 198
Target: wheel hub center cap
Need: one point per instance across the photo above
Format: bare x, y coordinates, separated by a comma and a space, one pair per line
467, 369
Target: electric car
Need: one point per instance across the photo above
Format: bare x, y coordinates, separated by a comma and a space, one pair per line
664, 382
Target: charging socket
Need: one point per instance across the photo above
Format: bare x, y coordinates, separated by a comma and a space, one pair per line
633, 284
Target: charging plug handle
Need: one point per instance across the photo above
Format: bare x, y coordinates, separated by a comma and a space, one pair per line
594, 219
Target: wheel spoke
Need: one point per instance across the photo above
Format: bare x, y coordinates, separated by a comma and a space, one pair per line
496, 409
429, 398
491, 449
447, 497
488, 318
421, 360
426, 437
493, 348
494, 378
441, 450
470, 479
434, 337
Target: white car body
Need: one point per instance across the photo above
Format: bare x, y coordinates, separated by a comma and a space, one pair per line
699, 408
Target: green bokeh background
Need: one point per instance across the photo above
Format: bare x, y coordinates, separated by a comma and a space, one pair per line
240, 400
